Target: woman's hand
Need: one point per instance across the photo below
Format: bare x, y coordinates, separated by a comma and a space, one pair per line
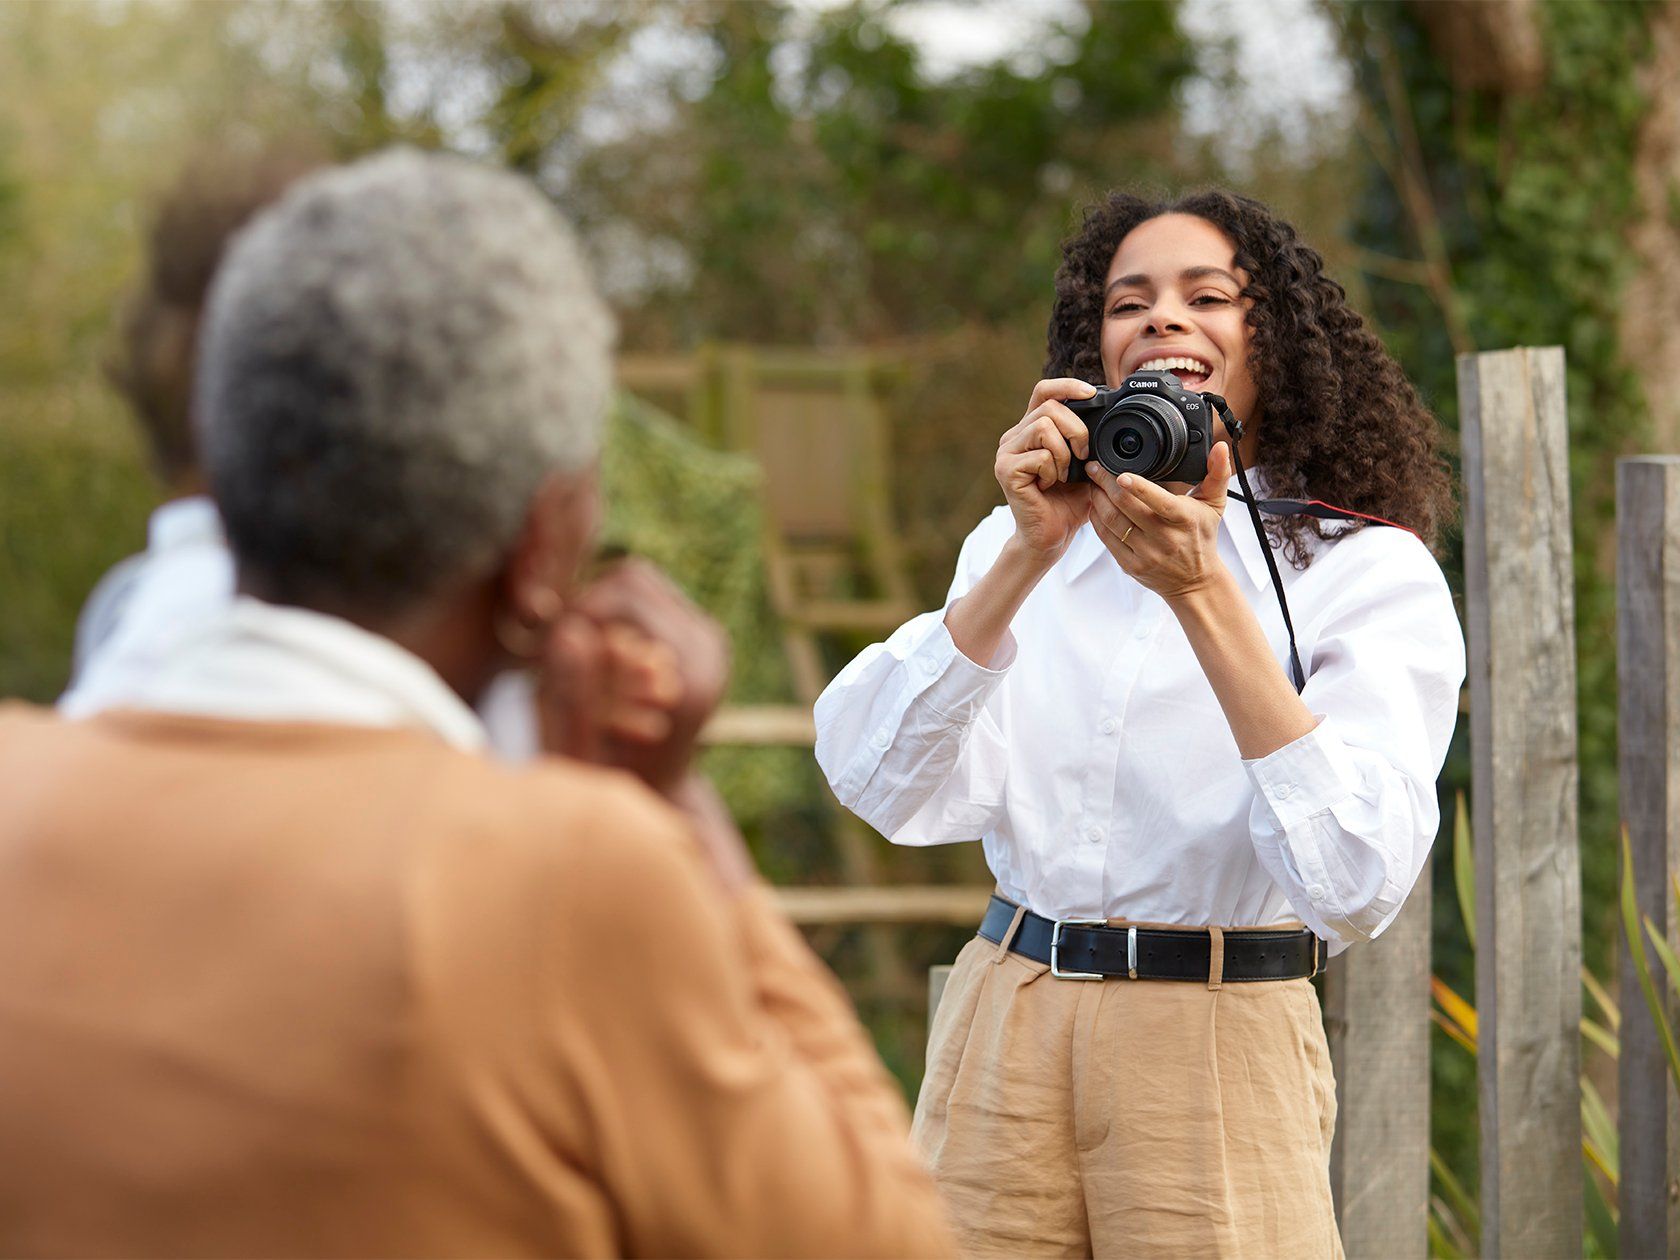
1032, 467
1167, 541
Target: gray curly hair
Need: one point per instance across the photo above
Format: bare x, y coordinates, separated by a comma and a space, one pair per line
395, 356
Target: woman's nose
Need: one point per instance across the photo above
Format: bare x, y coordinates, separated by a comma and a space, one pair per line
1166, 319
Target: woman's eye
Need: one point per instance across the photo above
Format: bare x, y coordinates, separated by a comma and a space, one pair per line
1210, 299
1125, 308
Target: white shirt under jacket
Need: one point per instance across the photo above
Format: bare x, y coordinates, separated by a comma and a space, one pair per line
1097, 767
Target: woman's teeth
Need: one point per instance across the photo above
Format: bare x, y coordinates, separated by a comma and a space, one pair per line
1179, 364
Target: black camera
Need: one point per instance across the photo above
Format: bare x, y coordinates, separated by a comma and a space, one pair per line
1151, 426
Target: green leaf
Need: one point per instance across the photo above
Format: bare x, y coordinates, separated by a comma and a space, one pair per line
1440, 1245
1601, 1219
1463, 1207
1601, 1037
1600, 1131
1601, 995
1665, 952
1464, 868
1642, 965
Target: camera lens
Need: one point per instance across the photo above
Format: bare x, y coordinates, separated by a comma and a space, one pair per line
1142, 434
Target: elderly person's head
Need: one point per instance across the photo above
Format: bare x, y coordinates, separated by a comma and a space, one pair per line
401, 387
217, 193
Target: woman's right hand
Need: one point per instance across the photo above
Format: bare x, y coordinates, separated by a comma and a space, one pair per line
1032, 466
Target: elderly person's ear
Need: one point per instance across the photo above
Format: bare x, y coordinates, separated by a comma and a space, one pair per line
542, 568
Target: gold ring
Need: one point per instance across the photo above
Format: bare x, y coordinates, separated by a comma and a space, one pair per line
1128, 533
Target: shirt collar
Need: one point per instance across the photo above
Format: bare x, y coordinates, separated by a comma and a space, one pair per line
265, 662
184, 522
1237, 540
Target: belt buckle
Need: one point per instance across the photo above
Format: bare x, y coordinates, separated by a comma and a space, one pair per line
1056, 945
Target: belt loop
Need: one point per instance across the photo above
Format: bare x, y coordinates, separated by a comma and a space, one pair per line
1009, 935
1216, 957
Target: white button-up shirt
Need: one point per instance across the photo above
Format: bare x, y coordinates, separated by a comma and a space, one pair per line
1095, 764
145, 607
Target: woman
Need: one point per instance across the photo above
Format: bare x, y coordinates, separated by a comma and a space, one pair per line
1104, 700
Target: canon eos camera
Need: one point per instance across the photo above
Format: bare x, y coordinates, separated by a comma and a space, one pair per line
1150, 426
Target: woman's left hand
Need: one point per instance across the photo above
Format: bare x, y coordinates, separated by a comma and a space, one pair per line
1167, 541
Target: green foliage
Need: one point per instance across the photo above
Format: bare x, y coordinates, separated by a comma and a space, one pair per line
1531, 195
838, 194
73, 501
696, 513
1534, 195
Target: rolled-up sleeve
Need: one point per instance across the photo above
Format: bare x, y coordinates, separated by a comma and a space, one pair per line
1343, 817
904, 735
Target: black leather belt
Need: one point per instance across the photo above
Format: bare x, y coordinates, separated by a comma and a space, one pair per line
1087, 949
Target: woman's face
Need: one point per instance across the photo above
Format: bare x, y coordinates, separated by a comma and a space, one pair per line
1171, 304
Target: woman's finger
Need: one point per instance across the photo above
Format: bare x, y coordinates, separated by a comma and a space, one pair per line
1110, 514
1122, 495
1059, 387
1073, 430
1213, 488
1156, 501
1044, 430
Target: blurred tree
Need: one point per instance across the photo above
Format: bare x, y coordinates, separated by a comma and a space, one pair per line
821, 187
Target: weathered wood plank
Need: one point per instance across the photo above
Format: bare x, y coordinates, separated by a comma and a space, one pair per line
791, 724
902, 903
1520, 606
1648, 677
937, 978
1376, 1014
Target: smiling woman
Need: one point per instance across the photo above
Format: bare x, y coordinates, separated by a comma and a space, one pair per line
1334, 417
1103, 700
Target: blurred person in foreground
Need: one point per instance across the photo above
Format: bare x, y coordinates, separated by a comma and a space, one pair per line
147, 601
289, 967
140, 612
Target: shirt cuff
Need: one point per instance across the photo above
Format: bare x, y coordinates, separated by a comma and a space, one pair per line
947, 681
1306, 777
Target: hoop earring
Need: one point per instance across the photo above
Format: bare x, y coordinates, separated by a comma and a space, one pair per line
523, 638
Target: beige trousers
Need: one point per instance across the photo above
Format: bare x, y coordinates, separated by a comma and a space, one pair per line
1119, 1118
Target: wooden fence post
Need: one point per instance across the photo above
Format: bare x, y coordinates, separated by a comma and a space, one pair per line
1376, 1004
1648, 677
1520, 606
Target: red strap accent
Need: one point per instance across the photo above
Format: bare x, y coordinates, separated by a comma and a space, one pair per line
1346, 513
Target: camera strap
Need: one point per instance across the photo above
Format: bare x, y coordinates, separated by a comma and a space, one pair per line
1281, 507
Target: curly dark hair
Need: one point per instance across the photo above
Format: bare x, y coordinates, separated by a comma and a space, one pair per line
218, 190
1340, 421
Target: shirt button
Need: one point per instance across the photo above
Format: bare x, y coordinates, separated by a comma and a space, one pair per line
1109, 726
1142, 631
1285, 790
1093, 834
881, 740
1316, 892
929, 665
